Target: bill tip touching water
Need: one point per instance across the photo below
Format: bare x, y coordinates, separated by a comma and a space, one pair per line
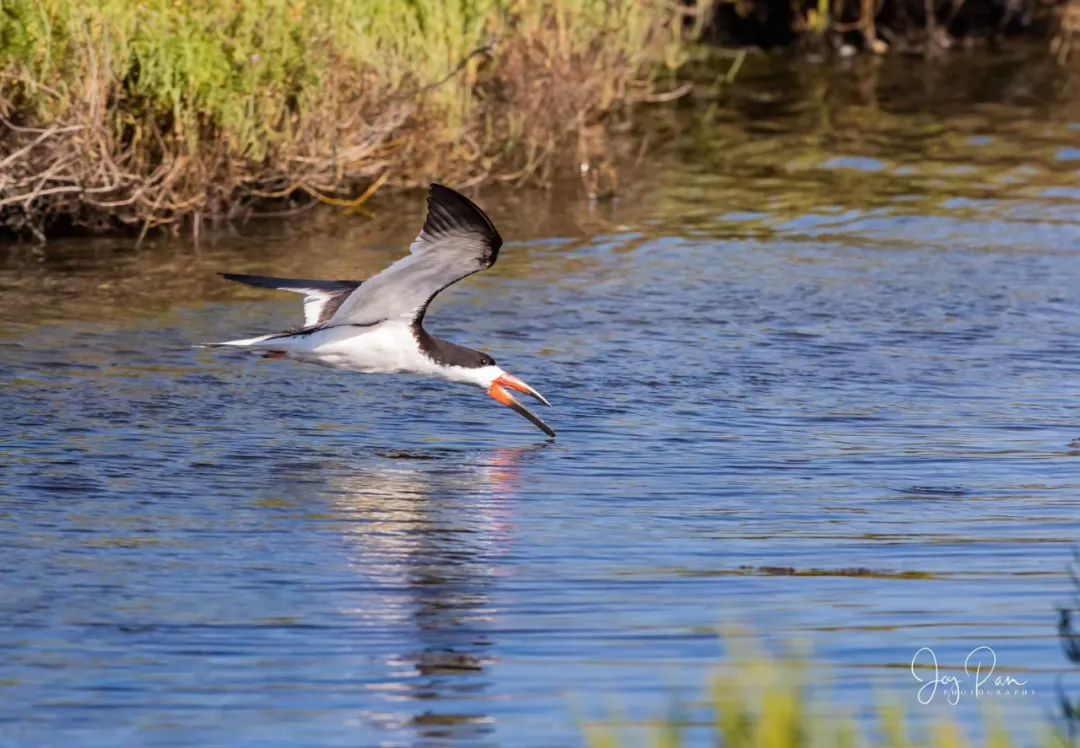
376, 326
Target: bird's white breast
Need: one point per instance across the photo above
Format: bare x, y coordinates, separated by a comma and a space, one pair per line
386, 348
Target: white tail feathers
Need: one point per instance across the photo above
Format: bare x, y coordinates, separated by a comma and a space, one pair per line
245, 343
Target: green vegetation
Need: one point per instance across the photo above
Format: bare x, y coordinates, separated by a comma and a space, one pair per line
151, 112
759, 702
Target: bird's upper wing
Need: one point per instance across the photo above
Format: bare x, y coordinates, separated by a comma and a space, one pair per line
457, 240
321, 298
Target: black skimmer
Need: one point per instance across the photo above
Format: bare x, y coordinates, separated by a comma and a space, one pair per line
376, 326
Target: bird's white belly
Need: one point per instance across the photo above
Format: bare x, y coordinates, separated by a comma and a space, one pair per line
387, 348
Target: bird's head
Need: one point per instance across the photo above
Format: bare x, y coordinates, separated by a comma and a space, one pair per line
460, 364
498, 383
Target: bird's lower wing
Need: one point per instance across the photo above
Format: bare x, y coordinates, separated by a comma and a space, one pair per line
322, 298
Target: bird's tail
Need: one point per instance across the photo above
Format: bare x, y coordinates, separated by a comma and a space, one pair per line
244, 343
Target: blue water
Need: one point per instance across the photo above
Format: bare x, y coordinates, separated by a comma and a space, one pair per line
821, 403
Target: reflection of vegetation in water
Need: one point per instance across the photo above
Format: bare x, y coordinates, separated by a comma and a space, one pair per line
927, 27
760, 702
791, 142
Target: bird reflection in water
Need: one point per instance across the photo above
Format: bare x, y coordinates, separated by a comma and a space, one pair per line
428, 530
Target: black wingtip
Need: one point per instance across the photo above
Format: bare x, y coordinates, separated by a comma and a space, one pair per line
300, 285
251, 280
450, 211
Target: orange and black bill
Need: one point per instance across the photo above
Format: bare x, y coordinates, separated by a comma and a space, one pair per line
501, 395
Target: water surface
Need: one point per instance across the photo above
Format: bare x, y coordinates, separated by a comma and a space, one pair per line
815, 373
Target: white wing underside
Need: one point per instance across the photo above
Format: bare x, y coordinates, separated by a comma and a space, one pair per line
315, 302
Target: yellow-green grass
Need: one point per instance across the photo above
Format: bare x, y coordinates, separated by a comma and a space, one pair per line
150, 111
760, 702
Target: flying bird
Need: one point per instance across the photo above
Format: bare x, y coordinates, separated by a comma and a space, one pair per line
377, 326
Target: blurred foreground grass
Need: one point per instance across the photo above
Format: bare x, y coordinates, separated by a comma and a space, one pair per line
150, 112
760, 702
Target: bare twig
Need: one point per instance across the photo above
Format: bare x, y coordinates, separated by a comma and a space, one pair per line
485, 50
678, 93
45, 135
40, 193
